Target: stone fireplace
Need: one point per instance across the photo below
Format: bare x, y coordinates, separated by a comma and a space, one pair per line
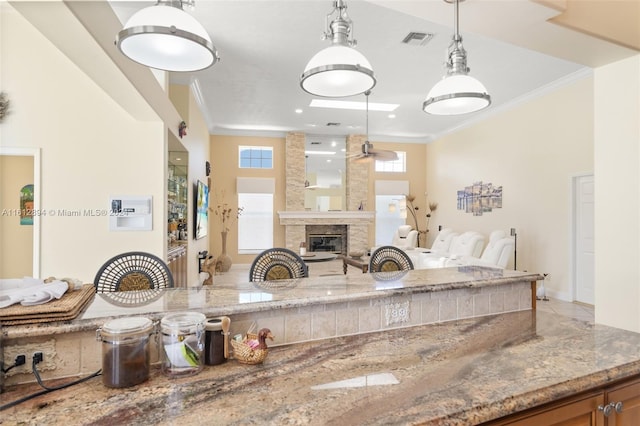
354, 223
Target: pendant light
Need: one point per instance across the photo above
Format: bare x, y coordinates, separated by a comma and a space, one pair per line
338, 70
458, 92
167, 38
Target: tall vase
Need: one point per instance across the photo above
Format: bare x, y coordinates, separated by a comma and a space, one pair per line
223, 263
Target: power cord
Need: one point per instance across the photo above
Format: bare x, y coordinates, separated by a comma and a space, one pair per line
37, 358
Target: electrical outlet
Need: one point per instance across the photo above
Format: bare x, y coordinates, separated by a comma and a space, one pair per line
20, 360
38, 357
28, 350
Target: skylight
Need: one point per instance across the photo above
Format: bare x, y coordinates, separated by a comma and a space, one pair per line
373, 106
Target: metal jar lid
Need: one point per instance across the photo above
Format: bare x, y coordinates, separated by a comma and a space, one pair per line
125, 328
186, 322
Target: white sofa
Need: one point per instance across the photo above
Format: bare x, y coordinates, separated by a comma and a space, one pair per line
443, 240
469, 243
497, 253
466, 245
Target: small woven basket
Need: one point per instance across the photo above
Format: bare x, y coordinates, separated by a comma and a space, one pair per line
244, 354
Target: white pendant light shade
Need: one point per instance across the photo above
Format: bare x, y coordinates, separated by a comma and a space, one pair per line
456, 94
167, 38
337, 71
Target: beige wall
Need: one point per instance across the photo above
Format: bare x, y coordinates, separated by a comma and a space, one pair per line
91, 148
617, 189
533, 151
16, 244
225, 170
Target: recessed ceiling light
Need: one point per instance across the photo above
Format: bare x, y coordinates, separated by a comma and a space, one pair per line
333, 143
359, 106
298, 111
391, 116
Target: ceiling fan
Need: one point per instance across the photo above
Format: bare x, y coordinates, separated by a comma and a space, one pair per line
368, 152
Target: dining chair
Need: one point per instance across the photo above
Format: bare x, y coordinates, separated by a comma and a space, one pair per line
134, 270
277, 263
389, 258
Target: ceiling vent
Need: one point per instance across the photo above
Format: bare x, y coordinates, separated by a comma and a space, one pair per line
417, 38
329, 124
316, 143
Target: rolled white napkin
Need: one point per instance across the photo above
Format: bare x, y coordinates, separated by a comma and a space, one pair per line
46, 293
33, 294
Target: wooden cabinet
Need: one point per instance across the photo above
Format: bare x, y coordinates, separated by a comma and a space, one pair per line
628, 393
617, 405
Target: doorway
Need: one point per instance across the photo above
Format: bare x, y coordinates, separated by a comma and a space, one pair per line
20, 250
583, 239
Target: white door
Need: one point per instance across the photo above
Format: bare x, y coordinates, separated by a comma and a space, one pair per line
584, 239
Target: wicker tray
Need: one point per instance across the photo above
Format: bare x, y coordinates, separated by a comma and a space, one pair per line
67, 307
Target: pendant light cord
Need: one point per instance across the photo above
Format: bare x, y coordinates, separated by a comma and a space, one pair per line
366, 94
456, 24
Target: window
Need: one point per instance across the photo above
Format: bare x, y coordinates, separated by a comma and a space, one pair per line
396, 166
391, 208
391, 213
256, 157
255, 224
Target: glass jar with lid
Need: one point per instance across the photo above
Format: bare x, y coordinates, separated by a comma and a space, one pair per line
125, 351
182, 343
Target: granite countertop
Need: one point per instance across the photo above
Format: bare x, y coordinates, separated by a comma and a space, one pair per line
456, 373
243, 297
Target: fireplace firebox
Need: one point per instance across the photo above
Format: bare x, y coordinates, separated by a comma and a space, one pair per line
323, 242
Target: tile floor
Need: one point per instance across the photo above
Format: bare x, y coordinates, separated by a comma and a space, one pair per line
574, 310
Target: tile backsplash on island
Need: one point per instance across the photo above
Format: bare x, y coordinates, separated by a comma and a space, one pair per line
321, 321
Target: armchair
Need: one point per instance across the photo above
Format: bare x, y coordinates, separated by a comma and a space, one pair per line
405, 238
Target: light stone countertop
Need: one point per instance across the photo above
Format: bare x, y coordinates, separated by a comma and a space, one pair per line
457, 373
238, 298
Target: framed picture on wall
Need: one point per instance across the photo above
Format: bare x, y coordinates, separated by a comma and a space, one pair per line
201, 210
26, 205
